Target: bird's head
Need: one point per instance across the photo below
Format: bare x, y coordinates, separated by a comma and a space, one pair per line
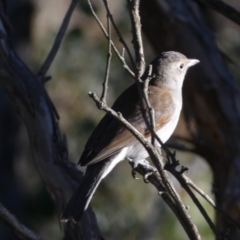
170, 68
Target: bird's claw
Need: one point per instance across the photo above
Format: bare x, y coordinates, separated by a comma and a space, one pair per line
147, 175
134, 166
134, 173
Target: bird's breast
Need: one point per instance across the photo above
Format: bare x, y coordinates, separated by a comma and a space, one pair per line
167, 130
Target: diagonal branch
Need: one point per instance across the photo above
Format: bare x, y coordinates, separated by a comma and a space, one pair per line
58, 40
109, 56
121, 39
121, 57
17, 227
181, 180
137, 37
190, 183
181, 211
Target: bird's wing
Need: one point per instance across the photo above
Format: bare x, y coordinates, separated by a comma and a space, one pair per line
110, 137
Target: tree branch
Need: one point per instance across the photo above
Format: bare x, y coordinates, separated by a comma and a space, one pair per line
209, 200
121, 39
47, 143
137, 37
121, 57
169, 193
58, 40
17, 227
109, 56
178, 174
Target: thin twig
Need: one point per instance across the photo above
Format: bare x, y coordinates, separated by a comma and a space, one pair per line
137, 37
122, 59
150, 109
171, 167
199, 206
58, 40
21, 231
147, 112
119, 116
109, 56
209, 200
223, 8
198, 190
121, 39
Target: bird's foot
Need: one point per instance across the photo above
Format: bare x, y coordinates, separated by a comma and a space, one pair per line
146, 165
147, 175
135, 164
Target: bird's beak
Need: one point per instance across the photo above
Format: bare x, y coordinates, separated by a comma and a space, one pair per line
192, 62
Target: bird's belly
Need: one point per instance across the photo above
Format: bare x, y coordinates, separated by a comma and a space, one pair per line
136, 151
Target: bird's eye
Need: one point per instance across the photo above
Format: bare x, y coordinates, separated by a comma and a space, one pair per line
181, 66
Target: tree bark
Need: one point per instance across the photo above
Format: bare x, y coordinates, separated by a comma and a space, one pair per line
48, 145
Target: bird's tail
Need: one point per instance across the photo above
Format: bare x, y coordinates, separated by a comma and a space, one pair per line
81, 198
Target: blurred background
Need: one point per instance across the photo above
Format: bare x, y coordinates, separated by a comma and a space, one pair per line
125, 208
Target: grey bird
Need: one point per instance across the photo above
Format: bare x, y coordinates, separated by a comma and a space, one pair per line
111, 143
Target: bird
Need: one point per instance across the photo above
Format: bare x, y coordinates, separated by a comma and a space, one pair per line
111, 142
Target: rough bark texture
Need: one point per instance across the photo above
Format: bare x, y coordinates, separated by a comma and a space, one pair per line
211, 98
32, 103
